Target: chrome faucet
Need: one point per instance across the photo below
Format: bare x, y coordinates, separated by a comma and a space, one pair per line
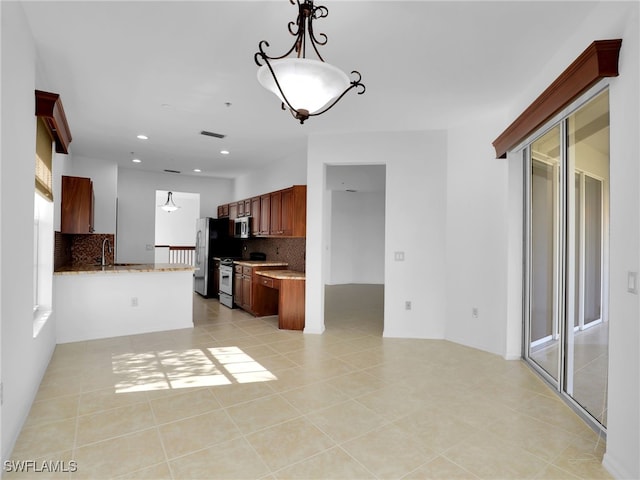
104, 242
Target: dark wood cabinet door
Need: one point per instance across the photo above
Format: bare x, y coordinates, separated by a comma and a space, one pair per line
275, 222
286, 213
76, 205
255, 216
265, 214
246, 292
238, 298
233, 211
223, 211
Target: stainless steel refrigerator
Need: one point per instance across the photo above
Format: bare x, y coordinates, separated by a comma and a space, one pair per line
213, 239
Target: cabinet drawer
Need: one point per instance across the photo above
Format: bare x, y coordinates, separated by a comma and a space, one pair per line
246, 271
269, 282
237, 269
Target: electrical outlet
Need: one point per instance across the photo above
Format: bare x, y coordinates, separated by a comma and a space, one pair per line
474, 312
134, 301
407, 305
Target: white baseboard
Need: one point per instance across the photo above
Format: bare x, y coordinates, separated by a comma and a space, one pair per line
511, 356
615, 469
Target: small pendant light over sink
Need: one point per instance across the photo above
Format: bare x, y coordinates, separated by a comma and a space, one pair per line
307, 87
169, 206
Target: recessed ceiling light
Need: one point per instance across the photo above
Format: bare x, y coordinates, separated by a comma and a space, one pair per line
197, 170
143, 137
136, 160
224, 152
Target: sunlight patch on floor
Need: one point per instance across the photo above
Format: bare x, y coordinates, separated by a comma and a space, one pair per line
187, 368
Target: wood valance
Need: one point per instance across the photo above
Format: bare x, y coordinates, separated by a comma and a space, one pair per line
49, 108
598, 61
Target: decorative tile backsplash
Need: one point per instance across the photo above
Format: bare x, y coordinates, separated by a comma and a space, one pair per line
82, 249
290, 250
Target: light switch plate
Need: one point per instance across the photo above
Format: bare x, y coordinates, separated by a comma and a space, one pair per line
398, 256
632, 282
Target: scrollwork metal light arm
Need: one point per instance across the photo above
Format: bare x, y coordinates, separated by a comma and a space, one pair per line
300, 68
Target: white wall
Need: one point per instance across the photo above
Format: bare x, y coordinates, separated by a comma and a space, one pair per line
415, 195
136, 207
623, 422
289, 171
24, 358
477, 222
356, 247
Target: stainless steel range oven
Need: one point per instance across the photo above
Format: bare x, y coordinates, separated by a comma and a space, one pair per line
226, 282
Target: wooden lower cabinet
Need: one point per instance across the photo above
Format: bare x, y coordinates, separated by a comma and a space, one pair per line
250, 298
291, 299
242, 287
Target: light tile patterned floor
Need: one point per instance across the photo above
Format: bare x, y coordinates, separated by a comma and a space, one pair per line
237, 398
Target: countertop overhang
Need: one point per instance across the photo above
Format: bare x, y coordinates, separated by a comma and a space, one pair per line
260, 263
124, 268
282, 274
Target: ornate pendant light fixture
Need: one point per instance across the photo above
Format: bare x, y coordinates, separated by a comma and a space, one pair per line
169, 206
307, 87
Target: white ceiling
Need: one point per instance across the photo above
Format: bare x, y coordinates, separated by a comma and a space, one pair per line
166, 69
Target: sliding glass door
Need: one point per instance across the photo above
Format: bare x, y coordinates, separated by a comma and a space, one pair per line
566, 334
544, 315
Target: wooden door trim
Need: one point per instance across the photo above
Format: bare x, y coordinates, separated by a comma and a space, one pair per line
599, 60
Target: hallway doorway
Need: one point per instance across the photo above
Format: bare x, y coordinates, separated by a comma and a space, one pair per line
354, 270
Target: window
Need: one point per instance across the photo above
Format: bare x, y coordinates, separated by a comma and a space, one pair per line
42, 229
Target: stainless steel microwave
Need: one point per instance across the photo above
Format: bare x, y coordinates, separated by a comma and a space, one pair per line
242, 227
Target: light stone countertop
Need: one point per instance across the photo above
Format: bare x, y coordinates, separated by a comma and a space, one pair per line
282, 274
260, 263
124, 268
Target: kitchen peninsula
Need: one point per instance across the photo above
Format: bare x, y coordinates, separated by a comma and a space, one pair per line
123, 299
290, 286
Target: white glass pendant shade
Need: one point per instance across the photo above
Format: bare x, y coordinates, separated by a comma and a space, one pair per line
307, 84
170, 206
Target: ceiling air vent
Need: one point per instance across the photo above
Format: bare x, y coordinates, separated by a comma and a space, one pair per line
171, 171
212, 134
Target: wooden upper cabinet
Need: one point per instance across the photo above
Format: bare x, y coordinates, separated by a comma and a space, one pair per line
275, 221
233, 211
255, 214
223, 211
282, 213
265, 214
286, 213
293, 212
76, 205
247, 207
